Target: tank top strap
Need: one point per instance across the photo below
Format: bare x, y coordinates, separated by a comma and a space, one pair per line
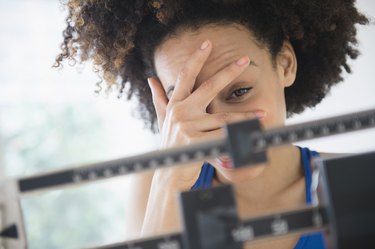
205, 177
306, 156
313, 240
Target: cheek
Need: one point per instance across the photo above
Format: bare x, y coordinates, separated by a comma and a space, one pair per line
278, 109
273, 104
271, 96
269, 100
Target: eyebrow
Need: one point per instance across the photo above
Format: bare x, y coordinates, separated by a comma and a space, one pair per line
170, 88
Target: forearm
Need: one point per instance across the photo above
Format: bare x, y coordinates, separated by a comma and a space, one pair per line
162, 212
136, 192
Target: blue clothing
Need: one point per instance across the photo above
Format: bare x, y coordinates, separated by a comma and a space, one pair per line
308, 241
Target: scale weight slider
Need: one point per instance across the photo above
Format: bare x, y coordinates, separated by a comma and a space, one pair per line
10, 232
207, 216
242, 146
348, 191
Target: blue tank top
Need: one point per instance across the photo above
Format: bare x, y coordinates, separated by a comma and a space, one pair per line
308, 241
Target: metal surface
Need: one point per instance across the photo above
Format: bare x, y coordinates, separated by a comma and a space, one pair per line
259, 141
235, 231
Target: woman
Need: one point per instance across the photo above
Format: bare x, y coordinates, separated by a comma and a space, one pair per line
208, 63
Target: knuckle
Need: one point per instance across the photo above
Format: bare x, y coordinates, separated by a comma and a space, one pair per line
207, 85
248, 115
182, 127
176, 113
224, 117
186, 74
173, 109
193, 136
233, 69
181, 75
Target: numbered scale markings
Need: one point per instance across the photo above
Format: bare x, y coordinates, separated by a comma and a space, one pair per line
303, 220
260, 141
171, 241
312, 130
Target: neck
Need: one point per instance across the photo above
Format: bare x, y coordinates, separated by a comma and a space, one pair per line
282, 171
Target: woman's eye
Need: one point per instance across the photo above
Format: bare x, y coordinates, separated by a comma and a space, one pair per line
239, 92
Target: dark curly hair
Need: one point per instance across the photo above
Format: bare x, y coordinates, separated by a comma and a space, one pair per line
121, 37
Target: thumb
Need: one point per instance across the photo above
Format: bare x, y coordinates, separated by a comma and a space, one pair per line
159, 99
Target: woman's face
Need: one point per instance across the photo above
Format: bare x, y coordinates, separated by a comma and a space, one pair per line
259, 88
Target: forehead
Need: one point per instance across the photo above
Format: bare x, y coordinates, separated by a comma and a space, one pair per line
230, 42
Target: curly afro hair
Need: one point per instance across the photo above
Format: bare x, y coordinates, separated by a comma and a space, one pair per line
116, 36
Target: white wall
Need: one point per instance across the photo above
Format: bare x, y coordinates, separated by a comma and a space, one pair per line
30, 32
356, 93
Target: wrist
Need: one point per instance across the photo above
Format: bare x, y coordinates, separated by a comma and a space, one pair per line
179, 178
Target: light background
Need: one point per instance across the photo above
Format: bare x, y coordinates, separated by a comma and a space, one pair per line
356, 93
51, 119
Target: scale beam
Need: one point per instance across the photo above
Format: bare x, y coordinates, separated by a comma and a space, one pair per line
347, 207
211, 220
243, 145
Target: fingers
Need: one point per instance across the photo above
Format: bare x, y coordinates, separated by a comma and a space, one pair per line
212, 135
216, 121
159, 99
211, 126
201, 128
183, 119
186, 79
206, 92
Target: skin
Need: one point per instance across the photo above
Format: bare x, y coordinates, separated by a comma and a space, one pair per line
212, 89
220, 74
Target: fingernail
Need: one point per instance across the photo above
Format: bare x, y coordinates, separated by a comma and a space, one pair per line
260, 114
243, 61
205, 45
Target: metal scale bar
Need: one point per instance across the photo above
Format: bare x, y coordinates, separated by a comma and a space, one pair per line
168, 241
104, 170
304, 220
239, 231
346, 210
259, 140
281, 224
315, 129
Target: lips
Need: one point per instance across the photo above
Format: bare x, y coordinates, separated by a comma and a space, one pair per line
224, 162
